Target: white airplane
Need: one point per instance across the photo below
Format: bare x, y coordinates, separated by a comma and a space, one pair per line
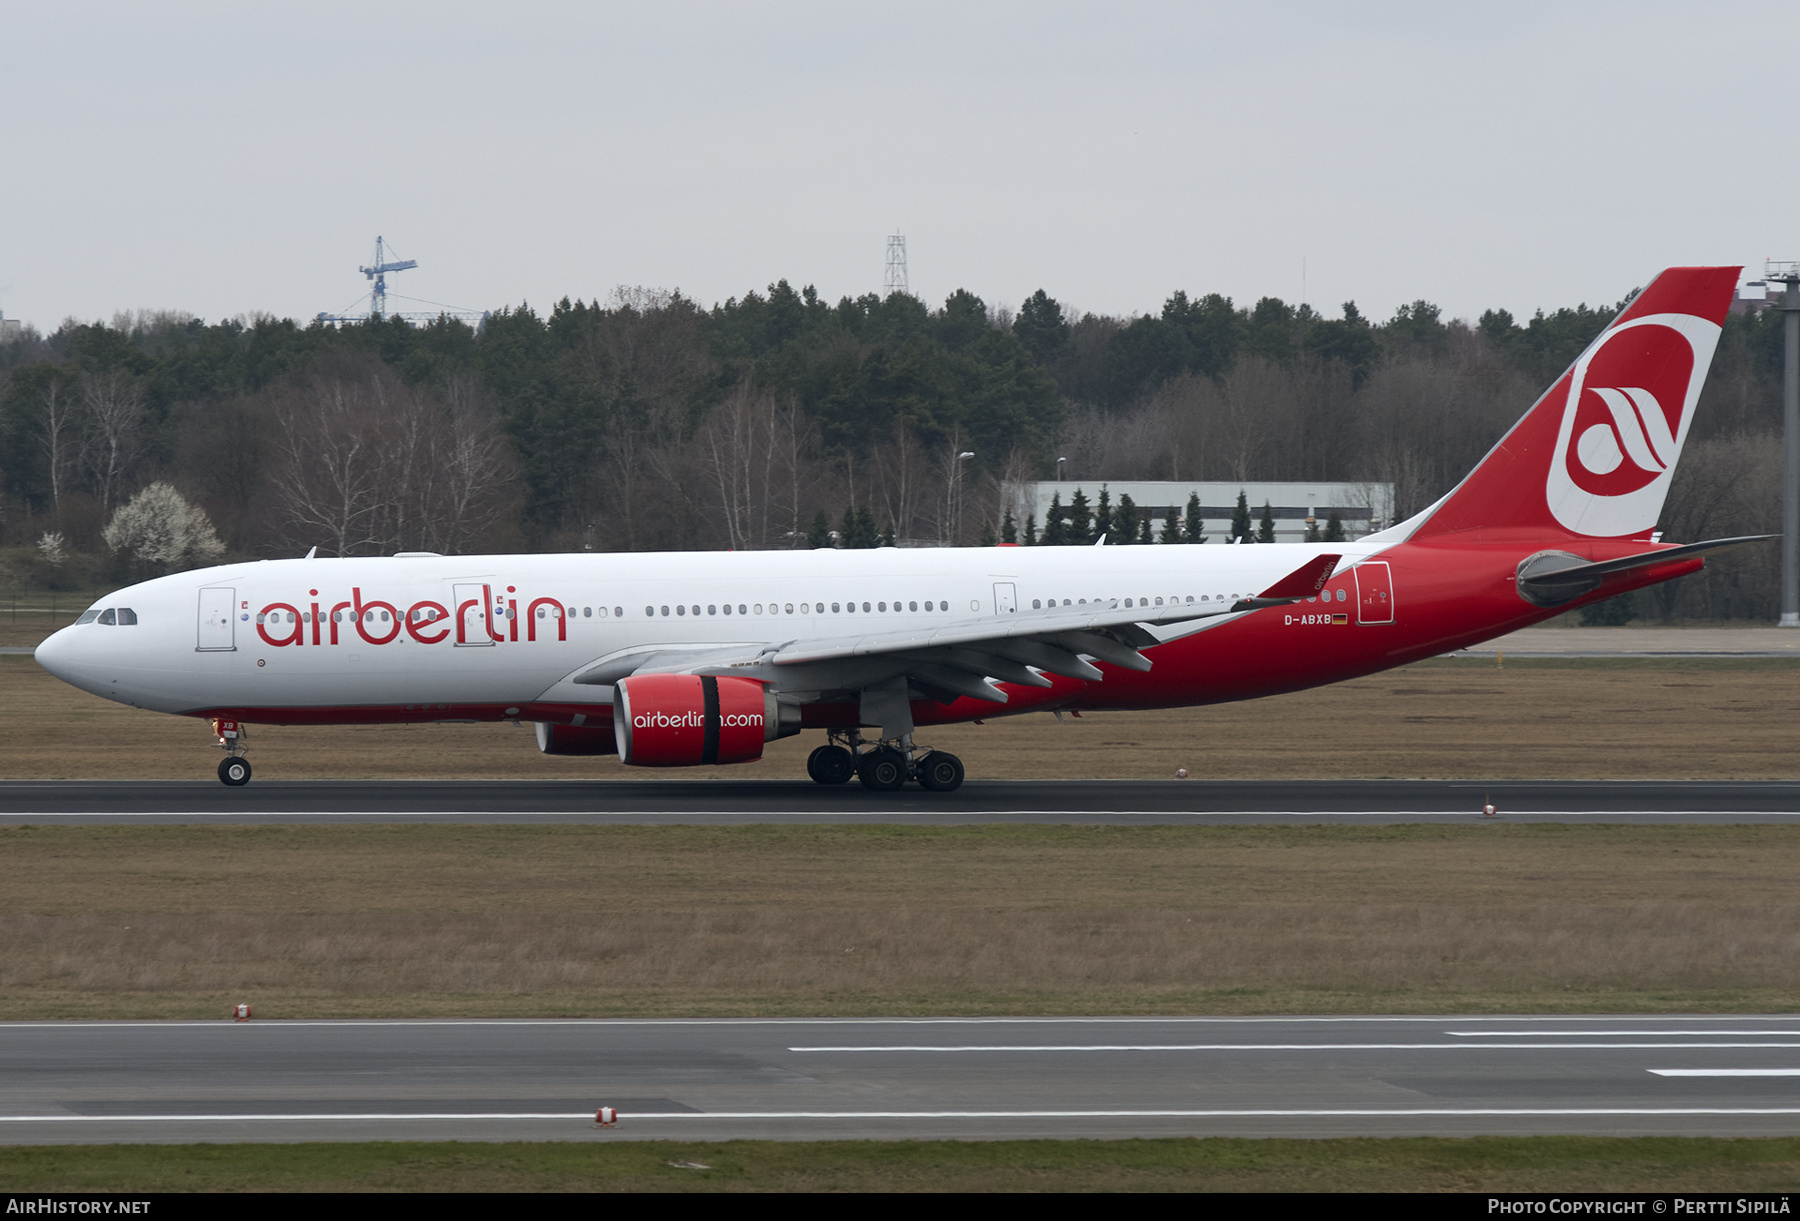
678, 659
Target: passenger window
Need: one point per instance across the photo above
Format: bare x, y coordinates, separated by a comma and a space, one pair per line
728, 608
914, 605
835, 608
865, 608
109, 619
742, 610
711, 610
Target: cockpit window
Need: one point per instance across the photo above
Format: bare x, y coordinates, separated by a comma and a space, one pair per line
108, 618
88, 616
127, 617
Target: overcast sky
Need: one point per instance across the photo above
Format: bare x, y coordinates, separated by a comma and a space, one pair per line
231, 158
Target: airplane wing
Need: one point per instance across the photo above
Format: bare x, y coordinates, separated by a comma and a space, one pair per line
963, 658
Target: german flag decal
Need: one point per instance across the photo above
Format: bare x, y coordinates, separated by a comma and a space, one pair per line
1336, 619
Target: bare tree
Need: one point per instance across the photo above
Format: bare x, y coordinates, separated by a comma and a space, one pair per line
113, 409
59, 438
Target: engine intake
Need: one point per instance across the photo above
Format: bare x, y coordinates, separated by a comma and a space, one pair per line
555, 739
684, 720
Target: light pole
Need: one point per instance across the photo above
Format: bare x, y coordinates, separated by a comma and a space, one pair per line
1059, 466
956, 496
1789, 275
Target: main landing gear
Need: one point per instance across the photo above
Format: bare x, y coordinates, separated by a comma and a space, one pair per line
883, 767
234, 769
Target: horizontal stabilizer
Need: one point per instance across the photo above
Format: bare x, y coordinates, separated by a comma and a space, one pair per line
1552, 578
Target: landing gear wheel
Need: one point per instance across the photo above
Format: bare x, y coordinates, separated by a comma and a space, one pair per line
882, 770
941, 772
234, 771
830, 765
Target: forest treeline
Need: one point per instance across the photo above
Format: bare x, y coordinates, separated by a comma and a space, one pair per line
650, 422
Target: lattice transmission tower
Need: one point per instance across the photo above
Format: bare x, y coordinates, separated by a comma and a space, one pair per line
895, 279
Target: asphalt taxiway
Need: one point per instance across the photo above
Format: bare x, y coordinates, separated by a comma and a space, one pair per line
74, 1082
1122, 803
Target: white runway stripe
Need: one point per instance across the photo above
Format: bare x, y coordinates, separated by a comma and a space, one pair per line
1726, 1072
1610, 1034
1085, 1047
626, 1117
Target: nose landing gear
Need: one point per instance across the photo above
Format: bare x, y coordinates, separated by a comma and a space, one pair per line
234, 769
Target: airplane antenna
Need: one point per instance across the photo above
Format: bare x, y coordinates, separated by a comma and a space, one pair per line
894, 281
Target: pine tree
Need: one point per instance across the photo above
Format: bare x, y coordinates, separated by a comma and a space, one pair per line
1031, 529
1240, 519
1312, 531
1056, 529
1144, 531
1009, 529
886, 538
820, 534
1265, 529
1195, 530
1079, 523
1334, 528
1127, 519
858, 530
1171, 530
1103, 517
987, 536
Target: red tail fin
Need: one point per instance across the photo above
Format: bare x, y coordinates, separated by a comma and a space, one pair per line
1594, 457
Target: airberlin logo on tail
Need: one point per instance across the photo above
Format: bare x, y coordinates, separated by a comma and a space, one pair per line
1630, 399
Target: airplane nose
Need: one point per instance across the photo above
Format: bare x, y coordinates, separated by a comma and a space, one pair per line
56, 653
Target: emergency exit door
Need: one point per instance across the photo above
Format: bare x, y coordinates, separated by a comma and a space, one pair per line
1374, 592
1006, 597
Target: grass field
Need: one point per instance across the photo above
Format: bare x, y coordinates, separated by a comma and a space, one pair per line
1537, 1164
1669, 718
420, 920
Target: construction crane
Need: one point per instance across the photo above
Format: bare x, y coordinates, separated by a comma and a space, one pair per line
378, 273
378, 311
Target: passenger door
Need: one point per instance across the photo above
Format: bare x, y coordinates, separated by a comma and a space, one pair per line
218, 623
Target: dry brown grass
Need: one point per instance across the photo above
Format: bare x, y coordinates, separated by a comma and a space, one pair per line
373, 920
1669, 719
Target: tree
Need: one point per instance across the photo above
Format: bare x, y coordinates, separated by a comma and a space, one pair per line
1171, 528
820, 534
1079, 522
1265, 529
1041, 327
1144, 531
1127, 520
1334, 528
858, 531
1240, 519
53, 547
1031, 530
164, 531
1056, 530
1194, 530
1103, 516
1009, 529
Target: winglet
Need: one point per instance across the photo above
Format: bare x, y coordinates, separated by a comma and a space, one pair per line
1304, 581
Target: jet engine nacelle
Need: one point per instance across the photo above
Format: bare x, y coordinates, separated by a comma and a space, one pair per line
555, 739
680, 720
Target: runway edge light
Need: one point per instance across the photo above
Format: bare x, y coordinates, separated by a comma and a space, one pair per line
606, 1117
242, 1014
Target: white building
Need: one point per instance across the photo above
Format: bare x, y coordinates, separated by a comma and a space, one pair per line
1362, 507
10, 328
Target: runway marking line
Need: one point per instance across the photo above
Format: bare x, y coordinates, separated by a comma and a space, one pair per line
1599, 1034
292, 1024
1725, 1072
588, 1116
888, 814
1102, 1047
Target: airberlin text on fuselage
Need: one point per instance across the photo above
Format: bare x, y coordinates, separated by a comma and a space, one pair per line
495, 619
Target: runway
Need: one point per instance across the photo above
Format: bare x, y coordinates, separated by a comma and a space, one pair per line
74, 1082
1122, 803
